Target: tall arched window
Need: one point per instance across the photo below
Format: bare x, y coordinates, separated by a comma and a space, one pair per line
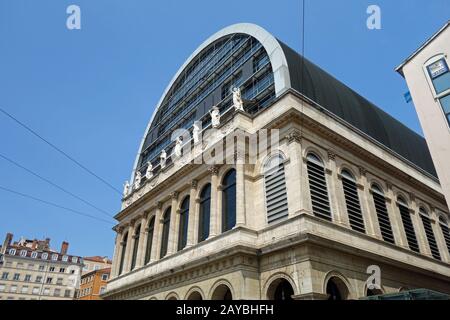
445, 231
148, 250
382, 214
184, 222
408, 224
275, 187
137, 235
429, 233
165, 232
123, 244
205, 213
318, 187
352, 201
229, 201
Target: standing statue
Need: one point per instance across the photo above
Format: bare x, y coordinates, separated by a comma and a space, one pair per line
163, 159
126, 189
237, 100
137, 180
196, 132
215, 117
178, 148
149, 172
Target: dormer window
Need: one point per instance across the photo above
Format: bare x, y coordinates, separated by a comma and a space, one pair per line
12, 252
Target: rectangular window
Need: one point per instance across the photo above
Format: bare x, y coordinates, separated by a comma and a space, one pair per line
2, 288
5, 275
41, 268
24, 290
16, 277
38, 279
67, 293
49, 280
35, 290
104, 277
445, 103
52, 269
31, 266
62, 270
57, 293
59, 281
13, 289
46, 292
440, 75
28, 278
102, 290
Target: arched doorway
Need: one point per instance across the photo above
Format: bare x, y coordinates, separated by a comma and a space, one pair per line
222, 292
280, 290
336, 289
195, 296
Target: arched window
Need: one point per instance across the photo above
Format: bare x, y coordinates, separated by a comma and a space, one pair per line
123, 244
445, 231
408, 224
275, 186
280, 290
137, 235
229, 201
352, 202
318, 187
165, 232
205, 213
222, 292
429, 233
337, 290
151, 230
382, 214
184, 222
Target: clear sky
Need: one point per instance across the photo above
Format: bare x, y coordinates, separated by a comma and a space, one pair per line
92, 91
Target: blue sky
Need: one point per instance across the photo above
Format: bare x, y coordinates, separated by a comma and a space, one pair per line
92, 91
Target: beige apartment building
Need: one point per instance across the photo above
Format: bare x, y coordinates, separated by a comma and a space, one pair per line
31, 270
342, 188
427, 74
95, 263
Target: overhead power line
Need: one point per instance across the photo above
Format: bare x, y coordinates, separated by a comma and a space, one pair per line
55, 205
59, 150
55, 185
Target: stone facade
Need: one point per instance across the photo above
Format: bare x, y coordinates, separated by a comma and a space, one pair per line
306, 252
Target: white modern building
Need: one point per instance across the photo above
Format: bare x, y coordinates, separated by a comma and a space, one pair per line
347, 187
427, 74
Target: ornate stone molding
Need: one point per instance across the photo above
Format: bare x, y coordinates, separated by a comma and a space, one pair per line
362, 171
294, 136
159, 205
214, 170
331, 155
174, 195
194, 184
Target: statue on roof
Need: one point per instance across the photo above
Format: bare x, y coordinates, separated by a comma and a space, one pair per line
237, 100
149, 171
137, 180
163, 159
215, 117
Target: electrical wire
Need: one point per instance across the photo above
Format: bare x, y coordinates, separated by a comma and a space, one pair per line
54, 205
33, 132
55, 185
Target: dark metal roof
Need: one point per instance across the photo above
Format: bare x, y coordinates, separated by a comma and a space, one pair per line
348, 105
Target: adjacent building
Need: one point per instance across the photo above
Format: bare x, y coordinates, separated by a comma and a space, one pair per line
31, 270
339, 189
427, 74
95, 263
93, 284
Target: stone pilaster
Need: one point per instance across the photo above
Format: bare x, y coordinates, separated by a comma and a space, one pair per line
368, 206
193, 215
174, 224
215, 215
337, 211
295, 174
157, 234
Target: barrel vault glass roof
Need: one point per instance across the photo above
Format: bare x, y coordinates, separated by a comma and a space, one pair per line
247, 56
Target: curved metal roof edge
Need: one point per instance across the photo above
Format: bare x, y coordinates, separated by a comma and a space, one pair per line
269, 42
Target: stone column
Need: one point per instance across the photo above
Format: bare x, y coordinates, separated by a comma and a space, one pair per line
240, 191
395, 217
157, 234
193, 215
294, 174
440, 240
368, 207
174, 224
419, 228
214, 227
116, 258
337, 211
140, 260
129, 248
